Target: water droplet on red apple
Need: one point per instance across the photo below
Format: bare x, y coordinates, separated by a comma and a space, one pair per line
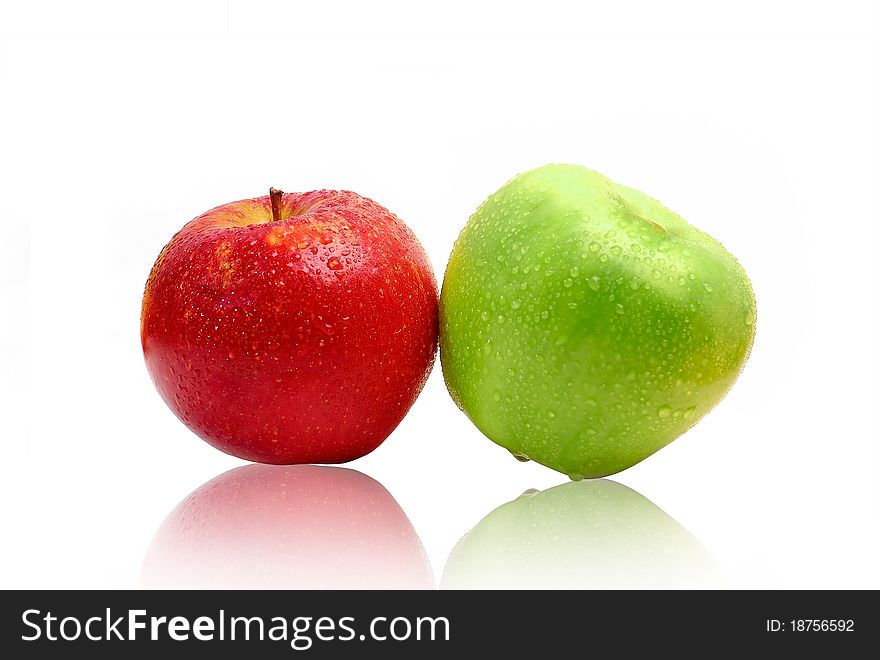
334, 264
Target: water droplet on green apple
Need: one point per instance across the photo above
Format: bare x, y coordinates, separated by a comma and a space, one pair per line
516, 304
689, 412
618, 308
594, 283
567, 282
522, 458
594, 246
575, 476
573, 272
664, 411
485, 316
708, 287
616, 249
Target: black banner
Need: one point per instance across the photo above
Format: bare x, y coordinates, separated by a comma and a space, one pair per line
318, 624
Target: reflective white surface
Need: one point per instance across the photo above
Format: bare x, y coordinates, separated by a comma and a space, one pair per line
760, 128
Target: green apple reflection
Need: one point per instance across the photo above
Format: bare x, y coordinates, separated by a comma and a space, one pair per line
580, 535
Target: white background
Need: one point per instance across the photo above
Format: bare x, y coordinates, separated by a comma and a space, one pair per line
758, 123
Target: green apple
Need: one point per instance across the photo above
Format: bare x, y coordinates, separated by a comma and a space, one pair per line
584, 326
579, 536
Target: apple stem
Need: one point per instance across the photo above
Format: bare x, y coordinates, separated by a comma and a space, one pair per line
275, 199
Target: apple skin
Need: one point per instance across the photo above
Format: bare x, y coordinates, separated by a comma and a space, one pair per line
584, 535
584, 326
295, 333
287, 527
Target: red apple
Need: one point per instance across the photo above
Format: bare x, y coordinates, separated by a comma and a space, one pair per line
291, 328
293, 527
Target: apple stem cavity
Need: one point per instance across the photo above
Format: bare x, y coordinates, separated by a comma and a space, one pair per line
275, 199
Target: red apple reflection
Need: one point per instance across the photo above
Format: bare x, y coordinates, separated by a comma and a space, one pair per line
288, 527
